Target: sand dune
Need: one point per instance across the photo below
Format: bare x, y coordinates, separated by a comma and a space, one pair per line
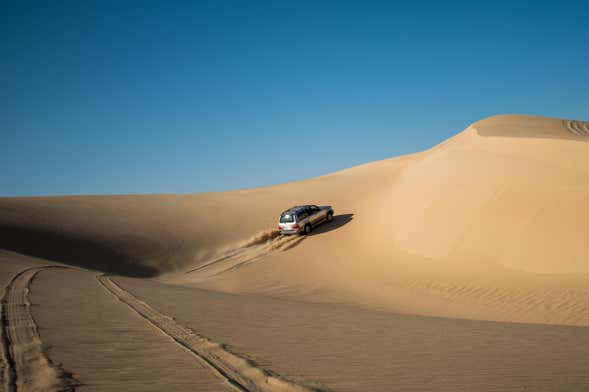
483, 226
489, 225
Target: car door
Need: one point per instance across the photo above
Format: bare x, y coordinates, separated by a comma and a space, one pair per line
315, 215
302, 218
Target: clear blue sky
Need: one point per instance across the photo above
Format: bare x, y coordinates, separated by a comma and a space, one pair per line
178, 97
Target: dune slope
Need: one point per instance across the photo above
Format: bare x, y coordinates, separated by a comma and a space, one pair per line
490, 224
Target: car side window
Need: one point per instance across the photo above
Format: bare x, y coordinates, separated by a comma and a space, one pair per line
302, 215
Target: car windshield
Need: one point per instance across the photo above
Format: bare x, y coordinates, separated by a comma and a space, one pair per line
286, 218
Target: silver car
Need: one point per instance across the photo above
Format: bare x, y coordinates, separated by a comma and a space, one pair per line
302, 219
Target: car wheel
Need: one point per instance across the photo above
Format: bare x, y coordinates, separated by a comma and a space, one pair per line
307, 229
329, 216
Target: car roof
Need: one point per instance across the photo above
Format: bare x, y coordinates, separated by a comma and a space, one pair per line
295, 209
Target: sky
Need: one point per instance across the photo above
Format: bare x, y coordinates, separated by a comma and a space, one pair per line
181, 97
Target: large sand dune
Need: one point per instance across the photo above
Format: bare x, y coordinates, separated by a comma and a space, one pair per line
489, 225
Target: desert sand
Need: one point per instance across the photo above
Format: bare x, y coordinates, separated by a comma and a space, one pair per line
463, 267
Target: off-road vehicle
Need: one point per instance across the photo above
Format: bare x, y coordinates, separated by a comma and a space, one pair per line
303, 219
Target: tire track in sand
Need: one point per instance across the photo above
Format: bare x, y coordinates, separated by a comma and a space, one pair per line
577, 128
27, 366
238, 371
6, 372
262, 245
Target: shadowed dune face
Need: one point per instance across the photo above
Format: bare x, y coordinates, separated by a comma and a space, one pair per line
69, 249
492, 216
151, 235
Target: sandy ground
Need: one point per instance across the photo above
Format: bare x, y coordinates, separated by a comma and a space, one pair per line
107, 347
462, 267
347, 349
10, 265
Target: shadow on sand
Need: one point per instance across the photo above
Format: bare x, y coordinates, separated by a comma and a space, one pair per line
338, 221
75, 250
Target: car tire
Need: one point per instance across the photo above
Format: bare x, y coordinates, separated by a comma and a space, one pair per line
329, 217
307, 229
